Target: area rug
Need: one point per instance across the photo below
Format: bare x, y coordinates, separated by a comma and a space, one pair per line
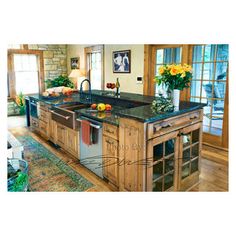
47, 172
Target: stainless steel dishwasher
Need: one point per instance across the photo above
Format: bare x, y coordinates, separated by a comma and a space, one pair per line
91, 155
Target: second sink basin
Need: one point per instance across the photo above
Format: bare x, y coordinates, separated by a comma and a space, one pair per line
65, 114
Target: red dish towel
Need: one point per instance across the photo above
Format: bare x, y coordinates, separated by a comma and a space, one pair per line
85, 127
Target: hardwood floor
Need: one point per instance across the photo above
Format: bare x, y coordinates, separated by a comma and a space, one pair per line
214, 176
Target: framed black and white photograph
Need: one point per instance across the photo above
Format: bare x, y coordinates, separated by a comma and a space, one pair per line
74, 63
121, 61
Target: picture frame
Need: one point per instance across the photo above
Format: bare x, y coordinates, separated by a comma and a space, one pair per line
75, 63
121, 61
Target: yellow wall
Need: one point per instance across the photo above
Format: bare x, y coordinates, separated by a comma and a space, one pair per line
127, 81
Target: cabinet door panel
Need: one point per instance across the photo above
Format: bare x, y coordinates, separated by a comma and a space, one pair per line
162, 172
61, 135
110, 159
72, 142
189, 155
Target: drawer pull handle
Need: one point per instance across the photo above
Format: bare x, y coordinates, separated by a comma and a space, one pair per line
57, 114
166, 125
109, 131
193, 117
109, 142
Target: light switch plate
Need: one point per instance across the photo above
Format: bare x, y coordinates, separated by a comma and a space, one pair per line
139, 80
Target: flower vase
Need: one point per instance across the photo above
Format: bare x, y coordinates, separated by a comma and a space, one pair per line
175, 97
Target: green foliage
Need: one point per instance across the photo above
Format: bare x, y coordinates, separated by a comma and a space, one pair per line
20, 182
59, 81
161, 105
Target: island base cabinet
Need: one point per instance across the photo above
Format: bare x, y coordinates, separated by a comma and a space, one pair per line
190, 153
162, 168
53, 131
173, 160
72, 146
110, 159
61, 135
132, 155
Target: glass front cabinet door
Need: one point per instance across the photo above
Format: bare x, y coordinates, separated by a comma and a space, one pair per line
173, 160
190, 152
162, 163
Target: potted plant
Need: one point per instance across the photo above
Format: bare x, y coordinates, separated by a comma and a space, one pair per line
59, 81
176, 78
20, 101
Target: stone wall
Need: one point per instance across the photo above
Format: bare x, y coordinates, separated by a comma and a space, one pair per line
55, 59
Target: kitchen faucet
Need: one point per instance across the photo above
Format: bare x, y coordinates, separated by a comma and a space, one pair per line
82, 94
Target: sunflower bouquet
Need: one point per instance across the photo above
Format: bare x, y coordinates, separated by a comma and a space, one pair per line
174, 76
20, 102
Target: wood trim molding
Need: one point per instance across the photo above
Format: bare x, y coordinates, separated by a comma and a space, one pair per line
11, 74
149, 67
89, 50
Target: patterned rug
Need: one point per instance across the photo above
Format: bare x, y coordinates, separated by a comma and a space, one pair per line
47, 172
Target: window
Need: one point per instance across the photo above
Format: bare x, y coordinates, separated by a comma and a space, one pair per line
96, 70
210, 68
26, 73
94, 66
166, 56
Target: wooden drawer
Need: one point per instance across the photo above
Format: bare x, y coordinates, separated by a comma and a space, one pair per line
43, 128
165, 126
34, 123
44, 115
43, 106
111, 131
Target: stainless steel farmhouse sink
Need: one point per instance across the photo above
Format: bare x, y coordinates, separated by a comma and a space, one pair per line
65, 114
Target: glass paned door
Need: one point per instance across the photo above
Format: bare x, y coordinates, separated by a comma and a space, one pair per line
210, 73
165, 56
162, 170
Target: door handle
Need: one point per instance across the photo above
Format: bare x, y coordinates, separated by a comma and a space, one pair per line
65, 117
92, 125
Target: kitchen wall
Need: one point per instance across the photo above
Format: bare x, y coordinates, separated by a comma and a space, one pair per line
127, 81
55, 59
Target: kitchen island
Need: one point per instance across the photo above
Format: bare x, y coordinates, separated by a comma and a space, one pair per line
141, 150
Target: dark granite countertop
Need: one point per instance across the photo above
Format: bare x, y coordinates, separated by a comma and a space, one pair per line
133, 106
145, 113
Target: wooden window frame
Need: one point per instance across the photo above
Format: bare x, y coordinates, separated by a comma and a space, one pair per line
93, 49
149, 66
11, 74
208, 138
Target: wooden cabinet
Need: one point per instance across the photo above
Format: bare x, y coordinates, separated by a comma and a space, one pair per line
34, 123
189, 153
44, 118
44, 129
162, 168
61, 135
173, 159
72, 139
110, 159
132, 155
53, 131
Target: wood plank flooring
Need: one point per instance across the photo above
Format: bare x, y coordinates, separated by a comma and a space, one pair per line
214, 176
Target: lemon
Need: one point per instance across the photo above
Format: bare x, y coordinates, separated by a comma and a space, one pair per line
101, 107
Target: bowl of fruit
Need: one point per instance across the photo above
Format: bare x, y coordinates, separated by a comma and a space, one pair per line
111, 86
100, 107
